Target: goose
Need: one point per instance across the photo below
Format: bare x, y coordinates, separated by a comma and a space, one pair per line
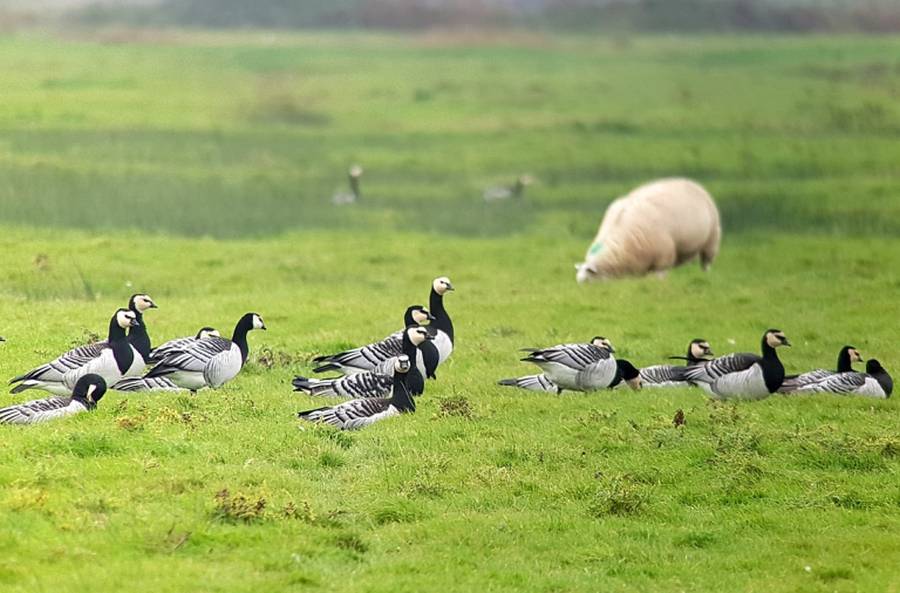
875, 382
743, 375
533, 383
627, 372
516, 190
359, 413
369, 357
577, 367
87, 392
375, 383
441, 327
137, 334
158, 353
118, 358
210, 362
343, 198
846, 357
668, 375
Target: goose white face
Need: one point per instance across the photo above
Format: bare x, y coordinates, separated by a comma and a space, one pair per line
356, 171
402, 365
417, 335
855, 356
601, 342
442, 285
775, 338
89, 396
635, 383
420, 316
142, 302
126, 318
701, 350
258, 322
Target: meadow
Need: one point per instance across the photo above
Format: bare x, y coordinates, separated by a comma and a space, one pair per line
198, 167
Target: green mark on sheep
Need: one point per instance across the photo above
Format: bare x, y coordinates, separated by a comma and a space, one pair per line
595, 248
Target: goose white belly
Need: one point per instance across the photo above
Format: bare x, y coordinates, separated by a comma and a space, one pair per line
192, 380
223, 367
358, 423
871, 388
104, 365
746, 384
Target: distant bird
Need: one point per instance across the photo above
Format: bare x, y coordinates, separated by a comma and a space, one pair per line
846, 357
210, 362
578, 367
118, 358
137, 334
875, 382
441, 327
87, 392
667, 375
158, 353
505, 192
359, 413
743, 375
627, 372
532, 383
375, 383
343, 198
369, 357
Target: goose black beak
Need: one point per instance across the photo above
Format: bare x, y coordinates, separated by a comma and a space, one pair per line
2, 339
786, 342
134, 323
430, 317
450, 287
429, 337
264, 328
154, 306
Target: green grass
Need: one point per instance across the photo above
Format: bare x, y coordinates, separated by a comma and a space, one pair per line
199, 169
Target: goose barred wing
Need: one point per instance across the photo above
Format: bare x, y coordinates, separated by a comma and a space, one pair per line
366, 357
836, 383
360, 385
160, 352
574, 356
350, 415
71, 360
709, 371
133, 384
195, 357
36, 411
532, 383
663, 373
796, 382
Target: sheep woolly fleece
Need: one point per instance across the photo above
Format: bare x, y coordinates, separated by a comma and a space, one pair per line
656, 227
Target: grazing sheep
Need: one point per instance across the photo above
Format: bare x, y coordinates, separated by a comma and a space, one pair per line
656, 227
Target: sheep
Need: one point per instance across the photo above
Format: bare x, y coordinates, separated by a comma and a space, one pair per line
656, 227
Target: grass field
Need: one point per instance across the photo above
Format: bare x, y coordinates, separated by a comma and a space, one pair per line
199, 168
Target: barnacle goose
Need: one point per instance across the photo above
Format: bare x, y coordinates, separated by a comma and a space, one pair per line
846, 357
369, 357
359, 413
158, 353
442, 327
875, 382
375, 383
578, 367
118, 358
210, 362
532, 383
505, 192
627, 372
87, 392
743, 375
342, 198
668, 375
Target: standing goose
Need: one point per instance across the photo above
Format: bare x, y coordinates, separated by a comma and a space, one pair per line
375, 383
846, 357
210, 362
875, 382
359, 413
368, 358
343, 198
442, 327
87, 392
533, 383
158, 353
578, 367
118, 358
743, 375
668, 375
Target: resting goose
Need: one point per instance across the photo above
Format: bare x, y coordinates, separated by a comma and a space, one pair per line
743, 375
87, 392
368, 358
359, 413
578, 367
158, 353
668, 375
516, 190
117, 359
532, 383
376, 383
875, 382
442, 327
846, 357
210, 362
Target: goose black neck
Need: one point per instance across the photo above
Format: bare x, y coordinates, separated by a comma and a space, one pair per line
844, 364
401, 398
354, 186
116, 333
138, 335
441, 319
773, 370
239, 336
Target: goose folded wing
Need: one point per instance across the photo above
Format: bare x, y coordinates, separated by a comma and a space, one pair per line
840, 383
196, 356
35, 411
71, 360
575, 356
808, 378
369, 355
356, 412
663, 373
532, 383
724, 365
